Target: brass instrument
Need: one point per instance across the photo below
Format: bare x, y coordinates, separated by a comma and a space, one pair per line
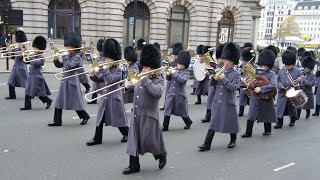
207, 58
57, 53
169, 70
251, 77
221, 71
10, 47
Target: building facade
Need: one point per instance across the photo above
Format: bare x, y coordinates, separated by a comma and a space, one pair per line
191, 22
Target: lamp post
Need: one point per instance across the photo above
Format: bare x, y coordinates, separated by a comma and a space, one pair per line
305, 37
134, 21
6, 9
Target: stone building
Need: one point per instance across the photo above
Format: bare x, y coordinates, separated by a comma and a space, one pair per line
191, 22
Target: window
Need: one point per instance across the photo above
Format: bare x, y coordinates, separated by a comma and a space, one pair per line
178, 26
299, 7
313, 7
63, 16
226, 26
141, 23
289, 12
306, 7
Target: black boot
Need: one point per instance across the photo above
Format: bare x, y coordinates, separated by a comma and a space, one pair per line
27, 103
241, 110
233, 140
315, 90
84, 116
308, 113
46, 99
57, 119
165, 124
87, 86
267, 129
162, 108
292, 121
194, 91
97, 139
316, 112
188, 122
162, 160
94, 95
208, 117
279, 124
207, 142
199, 99
249, 127
298, 114
124, 131
12, 93
134, 166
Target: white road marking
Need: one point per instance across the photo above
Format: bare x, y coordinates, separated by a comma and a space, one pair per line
284, 167
54, 90
6, 151
3, 84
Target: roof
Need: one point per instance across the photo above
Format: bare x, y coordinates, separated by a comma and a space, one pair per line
309, 4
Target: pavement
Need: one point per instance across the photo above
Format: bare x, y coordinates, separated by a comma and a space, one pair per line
30, 150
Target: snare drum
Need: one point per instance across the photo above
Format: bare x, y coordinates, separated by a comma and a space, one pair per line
297, 97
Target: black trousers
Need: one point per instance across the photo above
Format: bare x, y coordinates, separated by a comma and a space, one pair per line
58, 115
12, 92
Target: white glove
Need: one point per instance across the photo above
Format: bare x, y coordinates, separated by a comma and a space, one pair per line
127, 84
257, 89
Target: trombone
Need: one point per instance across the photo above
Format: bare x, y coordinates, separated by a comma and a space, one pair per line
13, 46
133, 78
56, 53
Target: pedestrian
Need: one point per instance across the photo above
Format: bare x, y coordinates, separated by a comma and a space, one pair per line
316, 112
224, 117
3, 40
111, 110
131, 56
70, 96
145, 134
36, 84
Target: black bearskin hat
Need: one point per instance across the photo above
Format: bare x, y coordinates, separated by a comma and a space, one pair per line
308, 62
150, 57
40, 42
267, 58
289, 57
140, 43
156, 44
72, 39
301, 51
99, 45
112, 49
307, 53
199, 49
184, 58
248, 53
273, 49
231, 51
219, 51
206, 49
247, 44
130, 54
20, 36
177, 47
291, 48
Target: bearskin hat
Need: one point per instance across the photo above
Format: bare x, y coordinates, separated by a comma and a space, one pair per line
72, 39
219, 51
20, 36
267, 58
140, 43
200, 49
99, 45
150, 56
301, 51
273, 49
40, 42
184, 58
248, 53
130, 54
112, 49
289, 57
156, 44
247, 44
308, 62
177, 47
291, 48
306, 54
231, 51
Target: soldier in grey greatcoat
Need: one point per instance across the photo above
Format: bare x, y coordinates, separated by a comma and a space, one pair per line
99, 59
307, 82
19, 74
83, 79
131, 56
176, 102
70, 96
284, 107
260, 109
212, 87
224, 117
140, 43
195, 82
145, 134
36, 84
111, 110
316, 112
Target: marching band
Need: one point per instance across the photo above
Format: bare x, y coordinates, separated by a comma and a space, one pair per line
270, 90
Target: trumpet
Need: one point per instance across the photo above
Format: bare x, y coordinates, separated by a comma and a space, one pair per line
133, 78
170, 70
221, 71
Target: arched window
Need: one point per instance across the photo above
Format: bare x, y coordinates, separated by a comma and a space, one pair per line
142, 24
63, 16
178, 26
225, 28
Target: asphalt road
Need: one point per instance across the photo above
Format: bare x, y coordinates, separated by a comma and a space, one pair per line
29, 150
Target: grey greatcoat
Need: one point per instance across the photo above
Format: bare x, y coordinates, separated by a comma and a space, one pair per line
224, 117
95, 85
307, 82
284, 82
264, 110
176, 100
145, 134
211, 93
69, 96
36, 84
111, 107
318, 92
128, 95
19, 74
202, 86
244, 99
83, 77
